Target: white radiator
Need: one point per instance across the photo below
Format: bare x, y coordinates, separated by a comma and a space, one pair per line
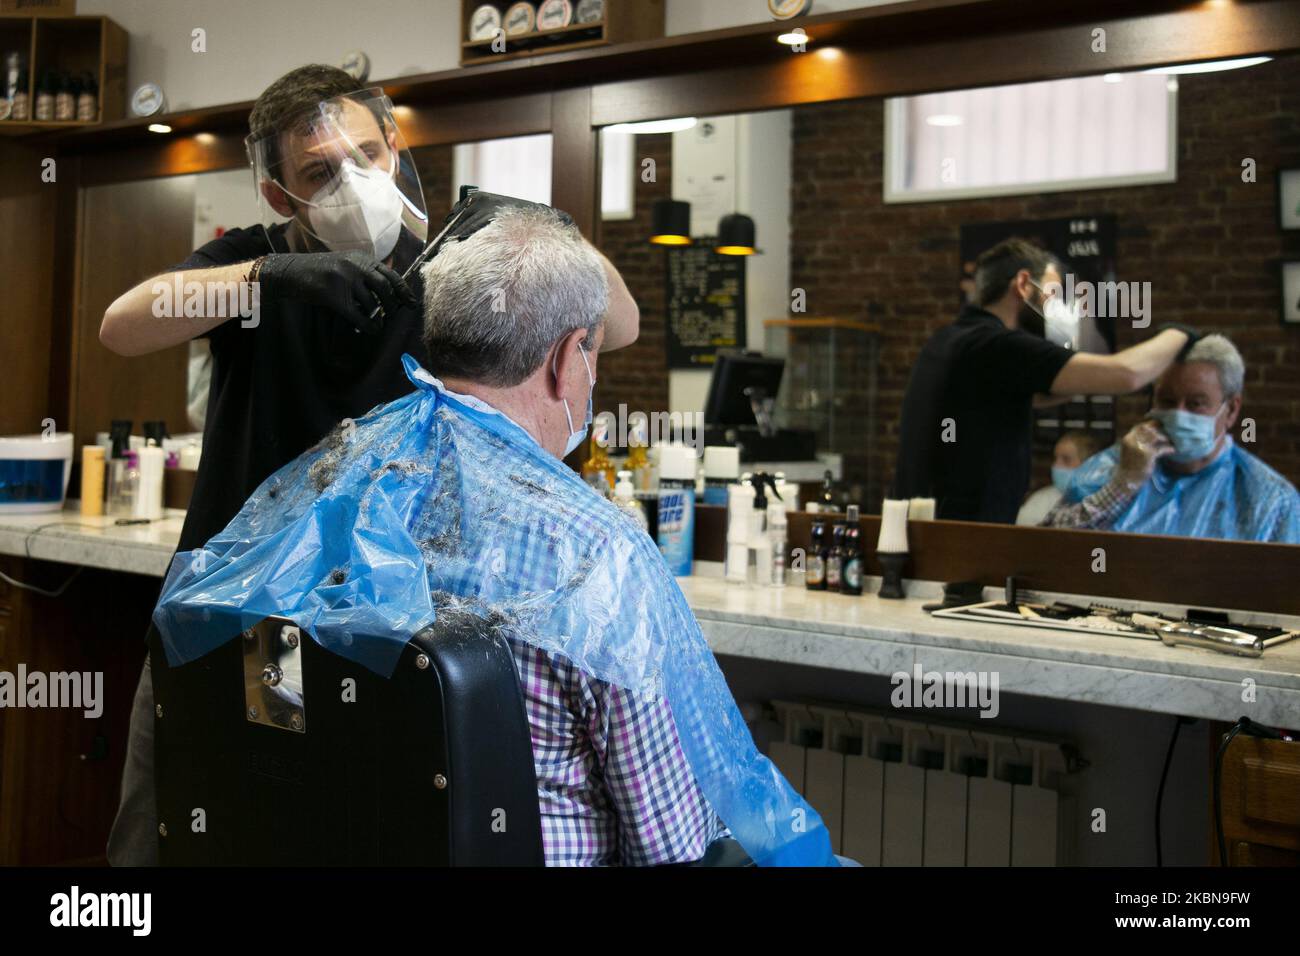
906, 793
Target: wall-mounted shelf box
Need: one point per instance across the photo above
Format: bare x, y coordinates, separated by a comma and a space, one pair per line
623, 21
77, 45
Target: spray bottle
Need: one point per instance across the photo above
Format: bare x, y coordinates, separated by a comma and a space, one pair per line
759, 541
777, 525
677, 507
740, 508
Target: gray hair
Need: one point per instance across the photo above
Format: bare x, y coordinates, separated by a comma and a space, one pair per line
1219, 351
496, 303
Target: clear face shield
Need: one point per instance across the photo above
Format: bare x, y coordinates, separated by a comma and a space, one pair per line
343, 172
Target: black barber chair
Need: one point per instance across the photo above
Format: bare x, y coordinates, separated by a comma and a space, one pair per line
272, 750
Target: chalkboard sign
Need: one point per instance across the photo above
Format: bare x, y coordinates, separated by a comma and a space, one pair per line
706, 304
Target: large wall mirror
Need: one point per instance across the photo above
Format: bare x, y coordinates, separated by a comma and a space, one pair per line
1169, 196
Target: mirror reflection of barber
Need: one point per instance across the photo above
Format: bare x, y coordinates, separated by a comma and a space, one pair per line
965, 431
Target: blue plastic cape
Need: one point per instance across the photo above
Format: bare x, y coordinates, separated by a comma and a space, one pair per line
1236, 496
431, 501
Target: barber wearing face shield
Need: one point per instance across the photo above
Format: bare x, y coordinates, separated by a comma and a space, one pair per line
343, 216
964, 437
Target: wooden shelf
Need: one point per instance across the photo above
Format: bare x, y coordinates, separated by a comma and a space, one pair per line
541, 34
95, 45
623, 21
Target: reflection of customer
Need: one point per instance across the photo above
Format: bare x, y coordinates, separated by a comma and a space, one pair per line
964, 438
1071, 450
1179, 472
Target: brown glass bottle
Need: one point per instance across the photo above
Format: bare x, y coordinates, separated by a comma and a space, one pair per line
851, 554
835, 558
815, 570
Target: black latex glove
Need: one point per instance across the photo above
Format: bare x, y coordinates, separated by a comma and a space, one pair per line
345, 284
479, 208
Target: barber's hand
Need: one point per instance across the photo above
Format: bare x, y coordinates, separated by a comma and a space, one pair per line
345, 284
1141, 448
479, 208
1193, 336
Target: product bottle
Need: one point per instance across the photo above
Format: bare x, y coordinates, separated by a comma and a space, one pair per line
625, 499
598, 470
65, 99
815, 574
149, 495
45, 98
721, 470
677, 507
759, 541
22, 107
92, 481
835, 558
638, 461
828, 492
777, 524
851, 555
88, 99
124, 485
740, 503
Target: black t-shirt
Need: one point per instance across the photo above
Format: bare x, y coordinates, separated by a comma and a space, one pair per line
279, 388
983, 376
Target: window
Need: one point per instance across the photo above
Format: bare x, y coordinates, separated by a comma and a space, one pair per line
519, 166
617, 174
1082, 133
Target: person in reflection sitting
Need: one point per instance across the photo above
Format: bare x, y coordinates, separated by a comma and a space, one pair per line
1179, 471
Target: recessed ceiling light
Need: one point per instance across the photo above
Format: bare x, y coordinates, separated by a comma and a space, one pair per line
1211, 66
944, 119
159, 128
795, 36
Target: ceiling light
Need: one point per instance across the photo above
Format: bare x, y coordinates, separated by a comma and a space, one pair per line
1210, 66
159, 128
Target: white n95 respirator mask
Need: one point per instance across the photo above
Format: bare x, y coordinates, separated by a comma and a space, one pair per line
1060, 318
360, 209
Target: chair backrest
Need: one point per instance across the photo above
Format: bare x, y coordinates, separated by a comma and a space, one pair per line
272, 750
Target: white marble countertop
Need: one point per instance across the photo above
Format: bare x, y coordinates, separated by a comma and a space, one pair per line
866, 635
68, 538
871, 635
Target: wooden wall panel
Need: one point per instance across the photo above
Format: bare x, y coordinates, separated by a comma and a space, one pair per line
27, 213
115, 254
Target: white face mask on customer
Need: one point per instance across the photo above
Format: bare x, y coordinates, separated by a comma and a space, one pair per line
359, 209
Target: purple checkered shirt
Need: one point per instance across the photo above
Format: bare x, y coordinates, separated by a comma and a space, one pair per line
613, 785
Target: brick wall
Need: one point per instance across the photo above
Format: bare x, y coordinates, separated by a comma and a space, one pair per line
1209, 244
638, 374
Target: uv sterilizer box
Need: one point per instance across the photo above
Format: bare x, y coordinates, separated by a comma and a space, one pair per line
34, 472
